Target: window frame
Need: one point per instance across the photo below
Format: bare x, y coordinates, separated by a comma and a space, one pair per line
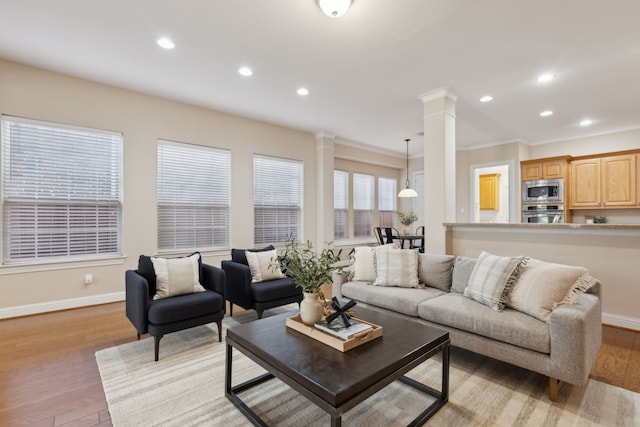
339, 212
363, 229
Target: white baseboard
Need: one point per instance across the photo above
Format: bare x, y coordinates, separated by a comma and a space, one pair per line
44, 307
621, 321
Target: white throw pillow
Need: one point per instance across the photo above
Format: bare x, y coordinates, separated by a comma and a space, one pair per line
492, 278
542, 286
177, 276
396, 267
259, 263
364, 269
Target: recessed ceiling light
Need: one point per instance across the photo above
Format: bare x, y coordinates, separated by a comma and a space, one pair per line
245, 71
543, 78
303, 91
165, 43
586, 122
486, 98
546, 113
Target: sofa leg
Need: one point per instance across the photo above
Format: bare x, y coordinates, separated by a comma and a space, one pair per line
157, 345
138, 336
553, 389
219, 323
259, 313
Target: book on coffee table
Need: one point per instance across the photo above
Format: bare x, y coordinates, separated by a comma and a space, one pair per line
338, 329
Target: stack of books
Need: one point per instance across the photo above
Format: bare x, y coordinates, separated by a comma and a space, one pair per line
338, 329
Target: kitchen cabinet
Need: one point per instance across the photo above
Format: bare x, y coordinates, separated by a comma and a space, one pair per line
607, 182
550, 168
490, 191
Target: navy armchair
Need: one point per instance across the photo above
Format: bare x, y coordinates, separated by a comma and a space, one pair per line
258, 296
162, 316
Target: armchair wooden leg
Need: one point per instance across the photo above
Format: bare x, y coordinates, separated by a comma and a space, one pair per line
230, 309
138, 336
553, 389
219, 323
157, 345
260, 313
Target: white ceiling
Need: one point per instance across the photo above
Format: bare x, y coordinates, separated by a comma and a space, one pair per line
365, 71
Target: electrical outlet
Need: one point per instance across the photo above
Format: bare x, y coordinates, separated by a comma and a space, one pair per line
88, 279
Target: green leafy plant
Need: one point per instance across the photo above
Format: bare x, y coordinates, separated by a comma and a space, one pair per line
308, 268
407, 218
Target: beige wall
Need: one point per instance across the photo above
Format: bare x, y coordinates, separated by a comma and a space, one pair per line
37, 94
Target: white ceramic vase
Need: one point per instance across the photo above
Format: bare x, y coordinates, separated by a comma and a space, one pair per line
311, 308
407, 230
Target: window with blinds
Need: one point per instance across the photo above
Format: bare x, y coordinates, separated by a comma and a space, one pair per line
61, 191
386, 201
363, 192
340, 204
193, 197
277, 199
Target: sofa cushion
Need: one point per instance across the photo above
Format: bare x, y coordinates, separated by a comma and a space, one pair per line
364, 268
177, 276
435, 270
509, 326
492, 278
174, 309
396, 267
401, 300
238, 255
260, 265
462, 269
541, 286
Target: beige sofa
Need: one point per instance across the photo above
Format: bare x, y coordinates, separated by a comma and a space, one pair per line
532, 331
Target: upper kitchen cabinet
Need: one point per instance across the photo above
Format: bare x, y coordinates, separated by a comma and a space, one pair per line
604, 182
550, 168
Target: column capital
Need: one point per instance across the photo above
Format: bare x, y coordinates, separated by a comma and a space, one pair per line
437, 94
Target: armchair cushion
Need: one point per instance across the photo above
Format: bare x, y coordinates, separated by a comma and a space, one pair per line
238, 255
177, 276
259, 265
178, 308
273, 290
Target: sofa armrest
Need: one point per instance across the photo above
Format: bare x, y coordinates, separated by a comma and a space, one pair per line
137, 300
238, 283
576, 336
338, 278
214, 278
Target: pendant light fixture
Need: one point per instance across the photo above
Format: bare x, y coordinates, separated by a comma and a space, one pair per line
334, 8
408, 192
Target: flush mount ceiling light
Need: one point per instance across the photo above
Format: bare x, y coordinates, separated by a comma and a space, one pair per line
303, 91
547, 77
165, 43
408, 192
245, 71
586, 122
546, 113
486, 98
334, 8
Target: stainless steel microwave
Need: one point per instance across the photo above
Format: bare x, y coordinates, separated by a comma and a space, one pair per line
543, 191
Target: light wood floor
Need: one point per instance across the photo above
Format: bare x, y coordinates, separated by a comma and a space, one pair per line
49, 376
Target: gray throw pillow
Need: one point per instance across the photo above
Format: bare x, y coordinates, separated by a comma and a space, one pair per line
462, 269
435, 270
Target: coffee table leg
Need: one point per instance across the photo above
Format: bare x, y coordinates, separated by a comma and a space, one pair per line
336, 421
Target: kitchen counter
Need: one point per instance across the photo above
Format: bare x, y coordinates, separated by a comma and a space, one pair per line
569, 226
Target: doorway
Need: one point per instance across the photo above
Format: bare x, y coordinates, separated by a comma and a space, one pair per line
504, 210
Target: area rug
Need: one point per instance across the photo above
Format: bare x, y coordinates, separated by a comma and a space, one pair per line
186, 388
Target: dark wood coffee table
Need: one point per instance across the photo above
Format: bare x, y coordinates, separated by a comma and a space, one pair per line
333, 380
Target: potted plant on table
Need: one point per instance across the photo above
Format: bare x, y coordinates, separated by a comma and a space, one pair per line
309, 270
407, 219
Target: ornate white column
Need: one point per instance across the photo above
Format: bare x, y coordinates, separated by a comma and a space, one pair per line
439, 167
325, 148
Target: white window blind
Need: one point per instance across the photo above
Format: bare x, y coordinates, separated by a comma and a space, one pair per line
386, 201
362, 205
340, 204
193, 196
61, 191
277, 199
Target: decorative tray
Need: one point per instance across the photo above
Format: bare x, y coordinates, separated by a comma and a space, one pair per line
343, 345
